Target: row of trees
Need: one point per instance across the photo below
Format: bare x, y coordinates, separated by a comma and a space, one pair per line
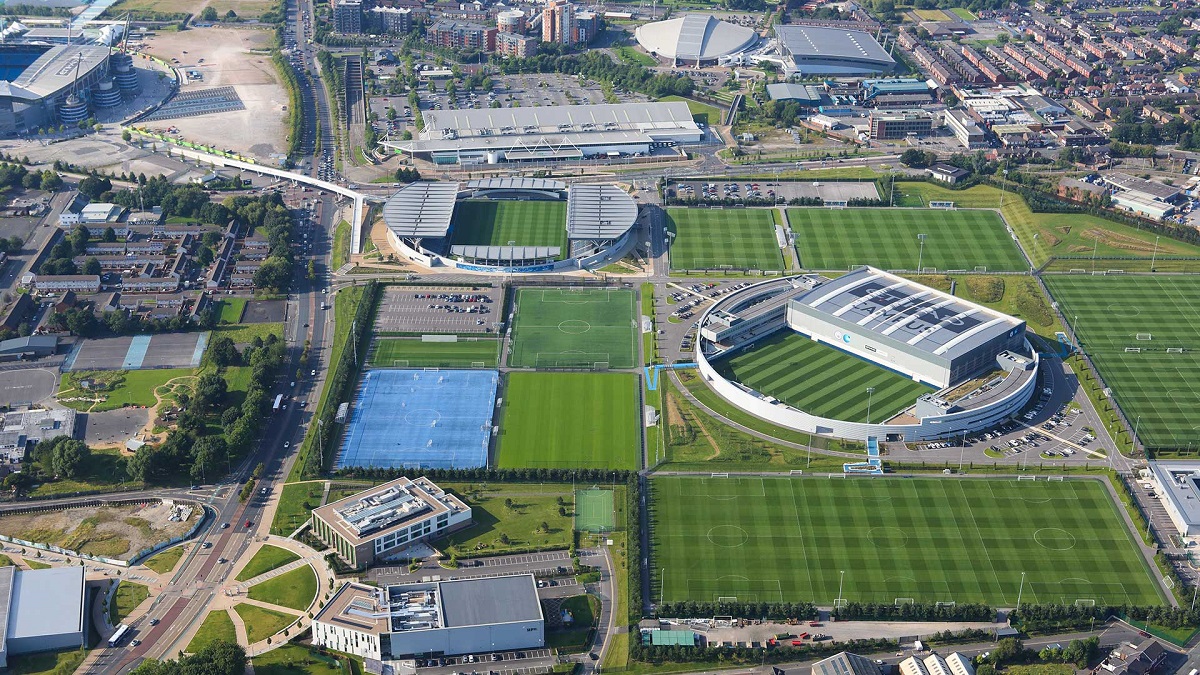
219, 657
1047, 618
778, 611
915, 611
598, 66
15, 175
598, 476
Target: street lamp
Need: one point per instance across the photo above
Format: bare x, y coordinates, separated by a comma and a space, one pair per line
1154, 257
870, 395
841, 578
921, 255
1020, 591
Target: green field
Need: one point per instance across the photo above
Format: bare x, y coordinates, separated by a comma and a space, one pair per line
838, 239
573, 328
507, 517
1159, 387
414, 353
594, 510
231, 310
217, 626
296, 502
701, 112
268, 558
500, 223
127, 388
821, 380
294, 589
928, 539
166, 561
570, 420
262, 623
723, 238
129, 596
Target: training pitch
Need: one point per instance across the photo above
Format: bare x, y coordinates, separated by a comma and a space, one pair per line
821, 380
573, 328
519, 223
888, 540
723, 238
570, 421
594, 510
414, 352
1156, 315
838, 239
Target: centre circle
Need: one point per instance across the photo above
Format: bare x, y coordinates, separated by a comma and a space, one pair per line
1123, 310
574, 326
888, 537
1054, 539
422, 417
728, 536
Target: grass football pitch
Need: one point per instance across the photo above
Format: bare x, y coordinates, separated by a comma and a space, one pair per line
573, 328
414, 353
521, 223
837, 239
821, 380
928, 539
1161, 387
571, 421
717, 238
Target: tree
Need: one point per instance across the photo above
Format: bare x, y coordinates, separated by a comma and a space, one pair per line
51, 181
219, 657
109, 236
222, 352
94, 186
126, 136
209, 14
68, 458
917, 159
92, 266
508, 503
231, 15
79, 239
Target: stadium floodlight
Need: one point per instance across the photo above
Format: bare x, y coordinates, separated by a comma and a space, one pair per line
841, 578
1019, 592
870, 395
1154, 256
921, 255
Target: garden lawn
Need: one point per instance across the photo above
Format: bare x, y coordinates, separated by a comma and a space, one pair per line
495, 521
262, 623
295, 589
268, 558
165, 561
217, 626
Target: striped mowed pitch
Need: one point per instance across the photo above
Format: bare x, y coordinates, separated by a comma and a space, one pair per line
1161, 387
923, 540
962, 239
716, 238
821, 380
573, 328
498, 223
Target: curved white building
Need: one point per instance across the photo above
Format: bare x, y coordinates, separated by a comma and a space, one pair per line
895, 323
695, 39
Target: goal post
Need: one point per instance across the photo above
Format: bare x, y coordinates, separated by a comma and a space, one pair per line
399, 363
1133, 350
1085, 602
1144, 336
720, 475
904, 601
1021, 478
727, 600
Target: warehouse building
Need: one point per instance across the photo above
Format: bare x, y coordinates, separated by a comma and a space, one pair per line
568, 132
462, 616
936, 664
41, 610
389, 518
819, 50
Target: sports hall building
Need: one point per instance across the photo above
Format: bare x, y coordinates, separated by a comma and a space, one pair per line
388, 518
550, 133
819, 50
897, 324
435, 618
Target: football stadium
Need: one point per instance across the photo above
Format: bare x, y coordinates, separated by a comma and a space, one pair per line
869, 356
48, 85
510, 225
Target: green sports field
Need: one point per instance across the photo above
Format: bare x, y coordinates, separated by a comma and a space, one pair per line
837, 239
414, 353
500, 223
570, 420
1161, 387
573, 328
821, 380
717, 238
928, 539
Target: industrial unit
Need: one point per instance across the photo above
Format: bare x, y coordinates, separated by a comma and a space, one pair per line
816, 50
41, 610
495, 135
388, 518
461, 616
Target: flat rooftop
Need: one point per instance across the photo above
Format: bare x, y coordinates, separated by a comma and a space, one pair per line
643, 117
903, 310
46, 602
803, 42
479, 602
1155, 189
388, 507
1180, 483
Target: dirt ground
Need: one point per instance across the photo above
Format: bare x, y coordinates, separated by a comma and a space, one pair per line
109, 531
260, 129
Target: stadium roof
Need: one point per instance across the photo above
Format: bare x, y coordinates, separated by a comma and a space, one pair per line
902, 310
832, 46
599, 211
46, 602
55, 71
421, 209
506, 252
695, 37
478, 602
516, 184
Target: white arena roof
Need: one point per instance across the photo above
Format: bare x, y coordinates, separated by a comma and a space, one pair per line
516, 184
599, 212
819, 49
695, 37
421, 209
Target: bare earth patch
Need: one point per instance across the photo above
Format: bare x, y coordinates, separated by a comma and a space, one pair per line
109, 531
225, 57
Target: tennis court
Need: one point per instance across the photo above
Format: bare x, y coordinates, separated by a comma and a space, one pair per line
429, 418
723, 239
594, 510
573, 328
